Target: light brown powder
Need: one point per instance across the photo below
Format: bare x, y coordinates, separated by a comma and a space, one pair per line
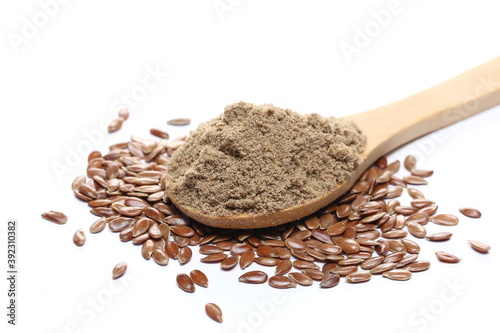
259, 159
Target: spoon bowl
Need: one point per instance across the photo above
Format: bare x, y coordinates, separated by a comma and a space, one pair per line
386, 128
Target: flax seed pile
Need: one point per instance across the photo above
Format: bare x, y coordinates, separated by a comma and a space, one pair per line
364, 233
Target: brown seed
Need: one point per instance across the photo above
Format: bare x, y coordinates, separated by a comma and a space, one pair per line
246, 259
185, 283
407, 260
172, 249
56, 217
336, 228
445, 219
398, 275
447, 257
140, 239
185, 255
479, 246
119, 270
470, 212
372, 262
229, 262
179, 121
214, 258
301, 278
214, 312
422, 173
415, 180
79, 237
386, 266
439, 236
329, 248
147, 249
411, 246
98, 226
159, 133
182, 230
302, 264
314, 274
417, 230
283, 267
312, 222
199, 278
266, 261
394, 234
415, 194
281, 282
160, 257
429, 210
253, 277
267, 251
154, 231
295, 244
344, 270
126, 234
124, 113
418, 266
394, 257
420, 218
115, 125
348, 245
410, 162
330, 280
119, 223
358, 277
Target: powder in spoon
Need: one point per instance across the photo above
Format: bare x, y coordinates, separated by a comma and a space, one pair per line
259, 159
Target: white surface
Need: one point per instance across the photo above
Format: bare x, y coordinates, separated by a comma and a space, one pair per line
70, 75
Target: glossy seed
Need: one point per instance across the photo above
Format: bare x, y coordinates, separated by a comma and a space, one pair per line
79, 237
447, 257
214, 312
417, 230
372, 262
281, 282
301, 278
98, 226
358, 277
229, 262
330, 280
148, 248
348, 245
185, 283
214, 258
56, 217
418, 266
119, 270
410, 162
253, 277
411, 246
246, 259
283, 267
394, 234
479, 246
439, 236
415, 180
445, 219
199, 278
470, 212
398, 275
383, 267
160, 257
185, 255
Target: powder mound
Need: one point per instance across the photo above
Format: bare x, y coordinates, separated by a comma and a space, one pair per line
259, 159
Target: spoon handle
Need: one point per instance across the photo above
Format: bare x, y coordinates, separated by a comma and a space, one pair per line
395, 124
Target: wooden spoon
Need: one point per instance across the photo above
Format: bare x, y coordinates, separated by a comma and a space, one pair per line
387, 128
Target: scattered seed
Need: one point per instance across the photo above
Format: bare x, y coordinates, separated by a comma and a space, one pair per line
470, 212
416, 230
330, 280
115, 125
185, 283
282, 282
119, 270
199, 278
415, 180
358, 277
159, 133
56, 217
479, 246
418, 266
445, 219
214, 312
253, 277
301, 278
179, 121
398, 275
439, 236
447, 257
79, 237
410, 162
124, 113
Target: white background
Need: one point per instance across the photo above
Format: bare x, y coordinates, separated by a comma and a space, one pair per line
61, 79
